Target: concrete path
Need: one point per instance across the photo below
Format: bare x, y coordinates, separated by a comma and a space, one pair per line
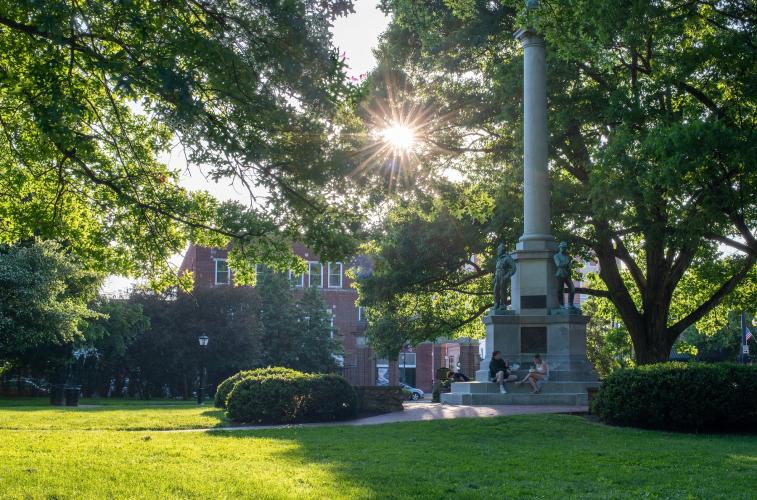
416, 412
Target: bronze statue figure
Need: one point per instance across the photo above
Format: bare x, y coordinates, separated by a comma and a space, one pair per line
563, 263
504, 270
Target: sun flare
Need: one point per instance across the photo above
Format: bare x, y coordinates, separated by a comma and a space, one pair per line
399, 137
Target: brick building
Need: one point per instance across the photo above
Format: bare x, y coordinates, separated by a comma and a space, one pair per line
416, 367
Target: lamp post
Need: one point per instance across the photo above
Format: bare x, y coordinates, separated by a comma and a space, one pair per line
203, 340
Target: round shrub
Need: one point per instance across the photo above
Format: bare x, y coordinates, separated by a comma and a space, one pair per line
681, 396
274, 398
330, 397
281, 395
224, 388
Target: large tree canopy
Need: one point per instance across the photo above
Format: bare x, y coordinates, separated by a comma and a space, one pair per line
93, 92
653, 149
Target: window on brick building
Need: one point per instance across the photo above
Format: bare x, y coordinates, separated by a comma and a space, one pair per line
331, 321
297, 280
335, 275
315, 270
361, 314
223, 273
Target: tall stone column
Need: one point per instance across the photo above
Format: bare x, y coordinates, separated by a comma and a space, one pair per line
535, 172
534, 289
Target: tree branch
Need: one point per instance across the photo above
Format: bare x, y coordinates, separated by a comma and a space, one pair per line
675, 330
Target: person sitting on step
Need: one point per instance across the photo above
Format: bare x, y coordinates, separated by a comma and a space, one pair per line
499, 371
458, 377
537, 375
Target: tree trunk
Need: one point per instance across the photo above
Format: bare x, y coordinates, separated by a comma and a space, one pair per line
654, 348
394, 372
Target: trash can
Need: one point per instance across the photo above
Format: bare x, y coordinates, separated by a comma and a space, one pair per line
72, 395
57, 394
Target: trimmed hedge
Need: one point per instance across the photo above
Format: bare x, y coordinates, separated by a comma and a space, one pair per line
680, 396
288, 396
225, 387
331, 397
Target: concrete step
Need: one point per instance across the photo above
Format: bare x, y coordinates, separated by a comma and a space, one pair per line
550, 387
567, 399
554, 375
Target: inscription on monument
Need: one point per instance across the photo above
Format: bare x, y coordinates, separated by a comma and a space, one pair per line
533, 339
533, 301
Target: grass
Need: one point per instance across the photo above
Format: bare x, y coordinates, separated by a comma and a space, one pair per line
37, 414
537, 456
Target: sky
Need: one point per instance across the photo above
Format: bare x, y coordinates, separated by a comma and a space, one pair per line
355, 35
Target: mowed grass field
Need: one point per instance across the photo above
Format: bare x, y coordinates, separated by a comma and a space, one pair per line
117, 451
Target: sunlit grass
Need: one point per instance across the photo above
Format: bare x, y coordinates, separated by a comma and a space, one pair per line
131, 415
537, 456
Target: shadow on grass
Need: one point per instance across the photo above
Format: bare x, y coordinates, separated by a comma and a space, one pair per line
519, 456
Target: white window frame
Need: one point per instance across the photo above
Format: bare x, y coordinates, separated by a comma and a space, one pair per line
341, 272
215, 272
361, 313
310, 274
330, 312
293, 279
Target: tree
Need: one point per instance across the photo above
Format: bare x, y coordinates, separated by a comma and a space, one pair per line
103, 353
44, 296
652, 140
318, 339
294, 334
93, 93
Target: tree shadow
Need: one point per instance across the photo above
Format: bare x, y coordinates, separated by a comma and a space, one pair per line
516, 456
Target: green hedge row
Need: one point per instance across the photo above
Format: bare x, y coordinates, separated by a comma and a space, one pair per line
280, 395
681, 396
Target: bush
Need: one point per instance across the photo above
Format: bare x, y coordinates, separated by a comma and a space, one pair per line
225, 387
681, 396
440, 387
331, 397
288, 396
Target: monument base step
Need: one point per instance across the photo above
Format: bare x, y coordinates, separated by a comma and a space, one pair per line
557, 399
550, 387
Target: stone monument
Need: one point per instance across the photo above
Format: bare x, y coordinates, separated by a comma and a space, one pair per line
538, 321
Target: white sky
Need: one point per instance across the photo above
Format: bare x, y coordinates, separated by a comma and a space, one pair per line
356, 35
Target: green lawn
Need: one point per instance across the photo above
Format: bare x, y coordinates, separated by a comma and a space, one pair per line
543, 456
37, 414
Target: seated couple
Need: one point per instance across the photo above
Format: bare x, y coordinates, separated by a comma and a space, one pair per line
499, 372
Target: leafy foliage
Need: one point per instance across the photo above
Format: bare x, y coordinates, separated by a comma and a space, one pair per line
294, 334
148, 343
286, 396
676, 396
94, 94
225, 387
44, 296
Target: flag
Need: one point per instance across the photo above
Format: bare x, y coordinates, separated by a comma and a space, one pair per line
747, 335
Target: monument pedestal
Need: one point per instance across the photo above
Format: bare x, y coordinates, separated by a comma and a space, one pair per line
561, 341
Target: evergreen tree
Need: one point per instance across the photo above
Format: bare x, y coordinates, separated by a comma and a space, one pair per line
318, 340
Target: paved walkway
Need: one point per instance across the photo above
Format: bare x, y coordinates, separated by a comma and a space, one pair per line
416, 412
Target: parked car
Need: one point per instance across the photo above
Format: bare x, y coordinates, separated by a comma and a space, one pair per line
22, 386
415, 394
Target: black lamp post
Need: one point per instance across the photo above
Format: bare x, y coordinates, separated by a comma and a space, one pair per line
203, 340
